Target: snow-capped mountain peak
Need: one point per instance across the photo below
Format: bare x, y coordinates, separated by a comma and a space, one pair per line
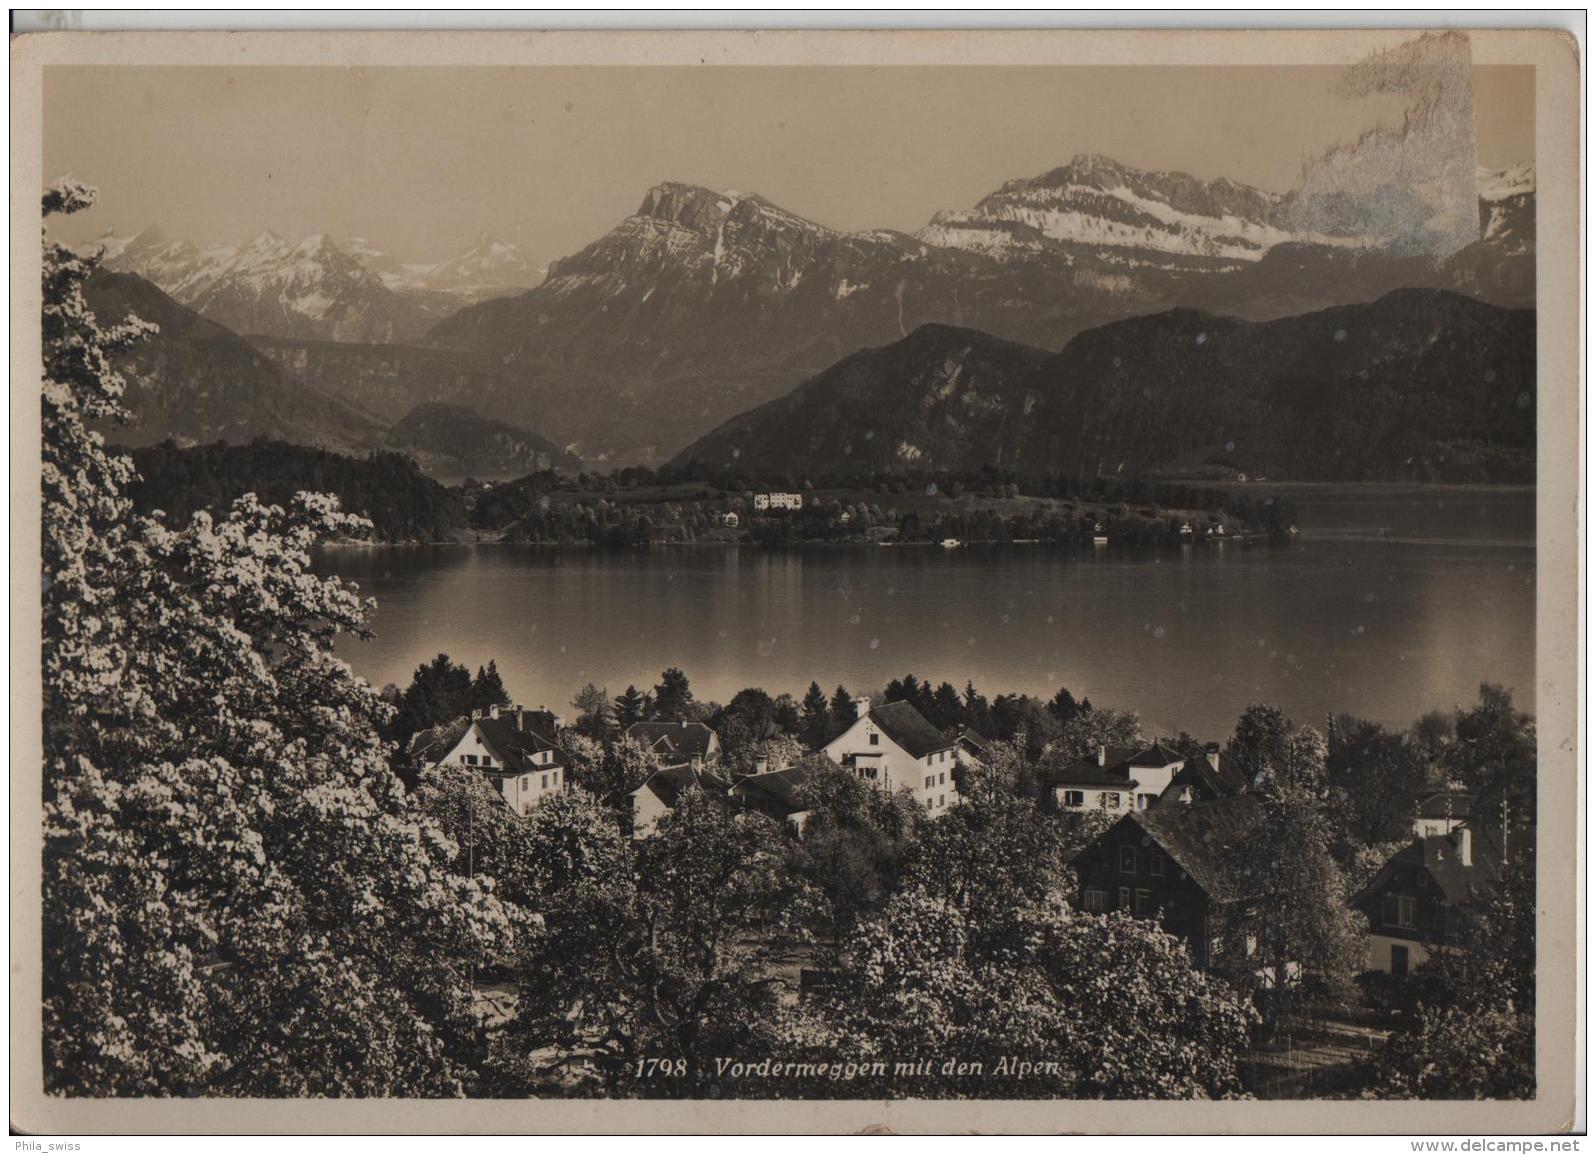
1099, 202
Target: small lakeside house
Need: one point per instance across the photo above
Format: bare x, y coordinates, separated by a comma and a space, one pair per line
785, 501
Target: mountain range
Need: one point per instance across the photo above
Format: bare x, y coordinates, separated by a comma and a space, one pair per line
318, 288
1421, 384
704, 304
195, 382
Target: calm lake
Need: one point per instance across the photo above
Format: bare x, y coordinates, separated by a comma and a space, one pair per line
1394, 601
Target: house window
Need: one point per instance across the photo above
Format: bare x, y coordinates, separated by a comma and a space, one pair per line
1124, 898
556, 777
1144, 903
469, 759
928, 782
526, 782
942, 799
1127, 860
545, 783
486, 761
875, 739
1155, 864
1407, 911
1096, 899
1399, 960
1111, 800
1075, 798
942, 778
1143, 801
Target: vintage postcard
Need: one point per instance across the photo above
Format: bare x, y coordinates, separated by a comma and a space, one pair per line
795, 582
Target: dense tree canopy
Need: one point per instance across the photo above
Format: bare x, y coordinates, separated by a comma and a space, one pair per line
388, 489
239, 898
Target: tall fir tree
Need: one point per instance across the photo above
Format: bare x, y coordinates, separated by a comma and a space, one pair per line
843, 710
629, 706
816, 716
673, 697
487, 689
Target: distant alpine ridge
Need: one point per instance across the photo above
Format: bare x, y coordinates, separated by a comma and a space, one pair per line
318, 288
1421, 384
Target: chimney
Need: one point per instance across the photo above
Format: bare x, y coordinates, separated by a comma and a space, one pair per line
493, 711
862, 707
1213, 758
1102, 755
761, 765
1465, 847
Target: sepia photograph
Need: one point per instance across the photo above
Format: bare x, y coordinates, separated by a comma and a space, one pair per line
681, 569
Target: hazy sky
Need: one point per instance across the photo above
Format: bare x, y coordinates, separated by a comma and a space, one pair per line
421, 160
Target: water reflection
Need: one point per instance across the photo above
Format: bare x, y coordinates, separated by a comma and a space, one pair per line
1187, 637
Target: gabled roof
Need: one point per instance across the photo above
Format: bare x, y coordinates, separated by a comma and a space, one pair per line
1114, 770
673, 739
1440, 856
1224, 781
1157, 754
433, 743
669, 783
906, 726
1201, 837
976, 741
778, 790
511, 747
1447, 804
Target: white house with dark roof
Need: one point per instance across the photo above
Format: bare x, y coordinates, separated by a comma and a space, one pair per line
1117, 779
893, 747
522, 764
